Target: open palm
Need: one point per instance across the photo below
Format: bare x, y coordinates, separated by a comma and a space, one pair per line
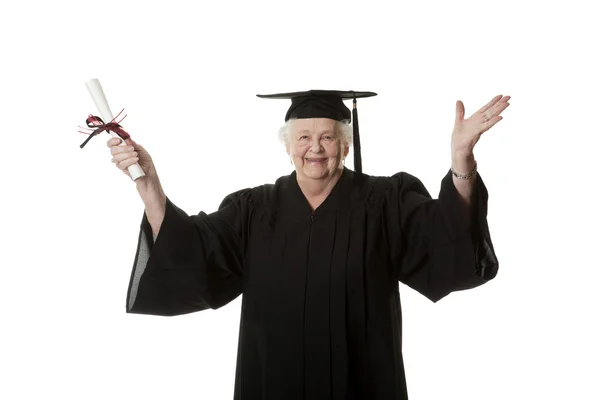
467, 132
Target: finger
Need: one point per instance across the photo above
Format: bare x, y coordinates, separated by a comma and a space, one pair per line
497, 109
460, 111
117, 158
121, 149
113, 142
127, 163
503, 100
491, 122
490, 104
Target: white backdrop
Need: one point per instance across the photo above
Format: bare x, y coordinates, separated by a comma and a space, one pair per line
187, 75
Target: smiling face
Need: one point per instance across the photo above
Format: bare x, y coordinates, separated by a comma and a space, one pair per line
316, 148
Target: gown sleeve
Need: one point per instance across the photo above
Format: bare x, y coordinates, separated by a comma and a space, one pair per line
439, 253
195, 262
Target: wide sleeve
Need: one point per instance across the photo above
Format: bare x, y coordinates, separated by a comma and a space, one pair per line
437, 252
195, 263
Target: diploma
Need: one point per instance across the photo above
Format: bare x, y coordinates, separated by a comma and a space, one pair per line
95, 89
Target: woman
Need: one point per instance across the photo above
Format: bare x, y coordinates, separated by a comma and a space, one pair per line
318, 256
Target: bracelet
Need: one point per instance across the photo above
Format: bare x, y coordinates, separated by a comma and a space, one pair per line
467, 176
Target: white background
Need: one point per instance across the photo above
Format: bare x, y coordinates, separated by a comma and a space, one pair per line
187, 75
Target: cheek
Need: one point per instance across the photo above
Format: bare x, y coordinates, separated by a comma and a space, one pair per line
333, 150
299, 150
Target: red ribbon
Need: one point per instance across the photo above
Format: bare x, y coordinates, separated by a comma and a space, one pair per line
97, 126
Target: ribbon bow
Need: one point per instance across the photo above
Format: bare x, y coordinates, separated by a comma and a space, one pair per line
96, 125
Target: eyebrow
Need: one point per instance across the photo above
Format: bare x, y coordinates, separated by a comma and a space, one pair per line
322, 132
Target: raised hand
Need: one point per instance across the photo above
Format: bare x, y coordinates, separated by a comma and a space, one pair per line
124, 156
467, 132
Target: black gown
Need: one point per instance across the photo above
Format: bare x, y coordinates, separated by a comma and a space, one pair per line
321, 316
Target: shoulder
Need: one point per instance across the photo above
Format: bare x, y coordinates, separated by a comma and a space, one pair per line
396, 180
269, 192
257, 196
382, 188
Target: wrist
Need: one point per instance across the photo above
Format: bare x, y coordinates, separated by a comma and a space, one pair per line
462, 176
464, 162
461, 152
150, 189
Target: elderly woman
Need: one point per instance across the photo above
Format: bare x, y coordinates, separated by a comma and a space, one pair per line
317, 256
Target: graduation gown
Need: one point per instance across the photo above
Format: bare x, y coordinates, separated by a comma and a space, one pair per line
321, 316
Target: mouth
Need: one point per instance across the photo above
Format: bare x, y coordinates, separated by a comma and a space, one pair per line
316, 161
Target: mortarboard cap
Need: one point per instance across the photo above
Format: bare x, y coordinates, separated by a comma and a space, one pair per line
325, 104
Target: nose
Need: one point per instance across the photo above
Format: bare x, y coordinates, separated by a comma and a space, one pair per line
315, 145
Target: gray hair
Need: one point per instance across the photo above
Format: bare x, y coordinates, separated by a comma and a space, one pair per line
343, 129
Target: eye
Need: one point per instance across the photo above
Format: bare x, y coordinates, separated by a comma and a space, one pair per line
328, 138
304, 137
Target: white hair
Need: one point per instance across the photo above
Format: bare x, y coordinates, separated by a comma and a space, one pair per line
343, 129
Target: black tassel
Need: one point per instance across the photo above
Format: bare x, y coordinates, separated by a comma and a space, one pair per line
357, 158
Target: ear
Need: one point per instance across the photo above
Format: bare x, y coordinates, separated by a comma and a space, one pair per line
346, 150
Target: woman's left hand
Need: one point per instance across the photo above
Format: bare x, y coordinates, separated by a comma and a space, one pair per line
466, 132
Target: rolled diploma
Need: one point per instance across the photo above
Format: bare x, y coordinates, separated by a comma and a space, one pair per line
95, 89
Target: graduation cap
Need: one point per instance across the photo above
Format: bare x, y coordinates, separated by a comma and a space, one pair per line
325, 104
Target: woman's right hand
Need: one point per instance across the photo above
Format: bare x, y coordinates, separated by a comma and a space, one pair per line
125, 156
148, 186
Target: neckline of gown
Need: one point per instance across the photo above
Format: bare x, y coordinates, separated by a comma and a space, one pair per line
337, 199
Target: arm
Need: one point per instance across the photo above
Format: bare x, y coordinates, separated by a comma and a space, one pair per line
149, 186
446, 242
437, 251
465, 136
155, 200
466, 188
195, 263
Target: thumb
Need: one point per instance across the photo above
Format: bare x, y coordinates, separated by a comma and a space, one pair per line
136, 145
460, 111
129, 141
